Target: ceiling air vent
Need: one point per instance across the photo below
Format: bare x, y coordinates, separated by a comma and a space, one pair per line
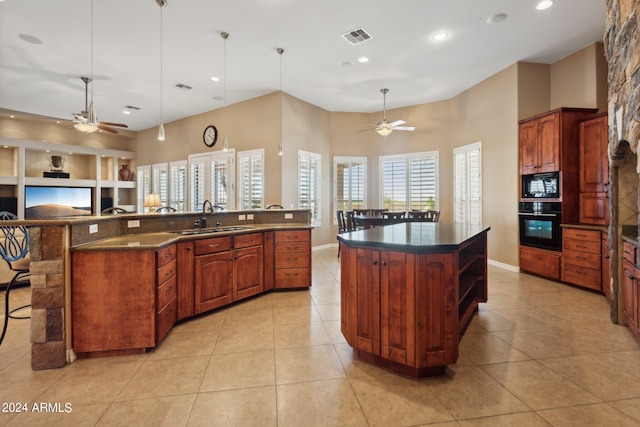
357, 36
131, 107
183, 86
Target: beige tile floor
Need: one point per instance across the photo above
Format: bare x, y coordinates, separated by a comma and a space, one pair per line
538, 353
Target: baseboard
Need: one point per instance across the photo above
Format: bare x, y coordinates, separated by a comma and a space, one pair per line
504, 266
325, 246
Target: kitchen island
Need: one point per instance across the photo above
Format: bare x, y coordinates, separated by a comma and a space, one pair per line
409, 290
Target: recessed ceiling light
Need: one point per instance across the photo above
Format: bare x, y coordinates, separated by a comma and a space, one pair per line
215, 79
363, 60
544, 4
497, 18
440, 36
12, 116
127, 112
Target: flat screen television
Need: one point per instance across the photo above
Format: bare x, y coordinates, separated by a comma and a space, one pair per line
48, 202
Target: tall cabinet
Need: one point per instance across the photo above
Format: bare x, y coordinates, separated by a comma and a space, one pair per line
594, 170
549, 142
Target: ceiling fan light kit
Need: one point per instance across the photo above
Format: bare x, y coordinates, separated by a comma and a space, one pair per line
385, 128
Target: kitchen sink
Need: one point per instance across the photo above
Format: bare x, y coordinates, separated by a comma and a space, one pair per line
211, 230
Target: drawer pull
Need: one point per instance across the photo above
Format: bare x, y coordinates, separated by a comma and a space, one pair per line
169, 289
214, 245
169, 312
168, 273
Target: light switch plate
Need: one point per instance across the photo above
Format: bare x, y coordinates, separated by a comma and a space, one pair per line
242, 217
249, 216
93, 228
133, 223
288, 216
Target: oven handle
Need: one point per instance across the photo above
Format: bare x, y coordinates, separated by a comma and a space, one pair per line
536, 214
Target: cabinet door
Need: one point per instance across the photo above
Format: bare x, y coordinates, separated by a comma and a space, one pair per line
549, 143
185, 276
214, 281
528, 147
594, 163
594, 208
629, 295
247, 272
368, 300
397, 306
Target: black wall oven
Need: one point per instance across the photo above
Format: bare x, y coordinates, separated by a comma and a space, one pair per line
540, 225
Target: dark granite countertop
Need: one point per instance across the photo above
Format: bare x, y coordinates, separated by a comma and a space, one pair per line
160, 239
418, 237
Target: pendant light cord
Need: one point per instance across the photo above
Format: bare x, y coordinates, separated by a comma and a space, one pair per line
161, 62
91, 53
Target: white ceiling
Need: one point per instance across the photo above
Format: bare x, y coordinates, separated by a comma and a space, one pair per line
44, 79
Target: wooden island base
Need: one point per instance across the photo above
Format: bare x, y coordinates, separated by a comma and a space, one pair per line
408, 292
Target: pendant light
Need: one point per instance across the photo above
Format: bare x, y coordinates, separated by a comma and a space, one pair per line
280, 52
225, 36
161, 3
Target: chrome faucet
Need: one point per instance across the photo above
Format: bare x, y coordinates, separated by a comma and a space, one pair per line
203, 220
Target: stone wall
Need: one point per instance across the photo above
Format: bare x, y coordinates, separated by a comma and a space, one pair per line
47, 268
622, 49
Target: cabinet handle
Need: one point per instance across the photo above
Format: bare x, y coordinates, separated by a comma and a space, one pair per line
168, 273
168, 312
188, 248
632, 277
607, 256
384, 263
375, 262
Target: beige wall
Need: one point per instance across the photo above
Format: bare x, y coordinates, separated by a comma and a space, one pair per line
580, 80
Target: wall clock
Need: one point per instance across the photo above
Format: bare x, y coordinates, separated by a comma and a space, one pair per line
210, 136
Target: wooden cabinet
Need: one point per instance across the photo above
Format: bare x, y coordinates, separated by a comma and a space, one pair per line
293, 259
629, 289
407, 310
581, 258
540, 144
185, 278
606, 265
269, 260
541, 262
122, 306
166, 291
594, 170
224, 274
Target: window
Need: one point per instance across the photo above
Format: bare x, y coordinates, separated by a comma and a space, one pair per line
178, 185
309, 184
349, 183
211, 177
143, 184
160, 181
409, 181
467, 184
251, 179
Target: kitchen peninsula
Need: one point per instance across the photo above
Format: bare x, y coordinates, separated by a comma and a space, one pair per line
409, 290
116, 284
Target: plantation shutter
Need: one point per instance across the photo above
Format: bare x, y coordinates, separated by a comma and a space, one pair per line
467, 191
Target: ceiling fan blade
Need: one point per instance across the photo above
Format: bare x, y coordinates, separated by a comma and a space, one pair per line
120, 125
397, 123
106, 128
405, 128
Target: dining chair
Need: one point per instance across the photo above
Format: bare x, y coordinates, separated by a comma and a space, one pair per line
394, 216
378, 212
361, 211
14, 249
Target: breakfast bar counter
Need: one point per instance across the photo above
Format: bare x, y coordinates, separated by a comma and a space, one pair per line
409, 290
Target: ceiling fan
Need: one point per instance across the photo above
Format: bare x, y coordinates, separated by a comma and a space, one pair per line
384, 128
86, 121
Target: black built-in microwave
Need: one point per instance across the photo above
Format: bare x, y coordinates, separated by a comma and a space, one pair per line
541, 186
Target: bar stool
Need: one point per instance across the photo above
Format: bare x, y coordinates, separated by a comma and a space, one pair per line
14, 249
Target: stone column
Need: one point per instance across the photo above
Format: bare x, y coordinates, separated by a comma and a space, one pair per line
47, 248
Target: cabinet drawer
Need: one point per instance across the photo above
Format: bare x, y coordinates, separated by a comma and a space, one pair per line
166, 272
293, 236
293, 277
246, 240
209, 246
166, 255
165, 319
585, 277
541, 262
629, 252
293, 260
583, 259
166, 293
288, 247
581, 245
580, 234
